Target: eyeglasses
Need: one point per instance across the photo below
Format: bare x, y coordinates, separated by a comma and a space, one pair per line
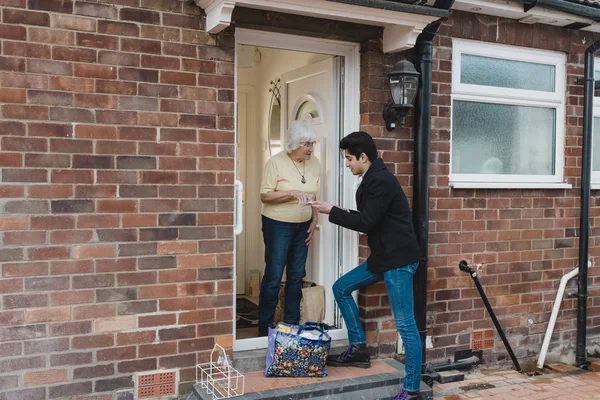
308, 144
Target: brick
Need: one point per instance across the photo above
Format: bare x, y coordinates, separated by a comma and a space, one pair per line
48, 314
157, 262
72, 206
93, 372
117, 206
99, 251
132, 338
10, 349
72, 358
111, 385
196, 289
118, 58
69, 329
7, 191
198, 121
13, 223
93, 162
179, 50
137, 365
150, 90
72, 23
73, 54
138, 103
160, 349
23, 238
103, 11
12, 32
138, 191
25, 112
24, 144
136, 278
52, 130
154, 234
97, 41
62, 222
24, 269
25, 394
182, 21
11, 160
121, 177
139, 220
160, 33
49, 67
177, 78
197, 37
59, 6
178, 106
12, 64
95, 191
157, 292
11, 254
112, 295
11, 318
26, 207
68, 176
25, 17
51, 36
46, 346
160, 177
116, 117
71, 266
95, 71
157, 119
12, 128
71, 114
135, 74
180, 275
94, 311
117, 235
177, 219
141, 46
22, 332
128, 162
93, 341
137, 307
94, 131
195, 317
12, 95
71, 389
190, 346
137, 249
70, 237
47, 283
171, 248
118, 28
197, 233
146, 148
16, 364
116, 265
25, 301
71, 84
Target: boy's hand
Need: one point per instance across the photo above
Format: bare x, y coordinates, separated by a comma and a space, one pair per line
322, 207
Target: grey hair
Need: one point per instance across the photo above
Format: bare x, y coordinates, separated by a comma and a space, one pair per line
298, 132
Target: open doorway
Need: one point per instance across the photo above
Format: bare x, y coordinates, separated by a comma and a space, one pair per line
275, 86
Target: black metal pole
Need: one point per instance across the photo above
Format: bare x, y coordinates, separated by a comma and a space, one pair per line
584, 227
465, 267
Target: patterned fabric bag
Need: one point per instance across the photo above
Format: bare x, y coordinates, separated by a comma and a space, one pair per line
300, 352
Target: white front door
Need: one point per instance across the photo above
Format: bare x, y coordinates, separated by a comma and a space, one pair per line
313, 92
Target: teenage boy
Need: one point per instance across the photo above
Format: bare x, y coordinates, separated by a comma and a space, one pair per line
384, 215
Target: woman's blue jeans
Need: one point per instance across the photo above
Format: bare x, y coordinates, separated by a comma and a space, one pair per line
399, 284
285, 244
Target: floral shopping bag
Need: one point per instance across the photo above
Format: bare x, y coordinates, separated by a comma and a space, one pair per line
298, 351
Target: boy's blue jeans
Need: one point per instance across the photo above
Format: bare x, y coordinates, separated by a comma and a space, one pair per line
399, 284
285, 248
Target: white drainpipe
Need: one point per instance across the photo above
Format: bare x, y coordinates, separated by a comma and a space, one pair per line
557, 302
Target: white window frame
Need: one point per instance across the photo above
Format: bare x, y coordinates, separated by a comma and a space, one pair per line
510, 96
595, 178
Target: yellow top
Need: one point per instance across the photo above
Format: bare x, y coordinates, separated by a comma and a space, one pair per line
279, 175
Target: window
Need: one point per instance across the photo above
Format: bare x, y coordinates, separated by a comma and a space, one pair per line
508, 117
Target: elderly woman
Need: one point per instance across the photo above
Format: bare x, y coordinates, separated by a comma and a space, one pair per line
290, 180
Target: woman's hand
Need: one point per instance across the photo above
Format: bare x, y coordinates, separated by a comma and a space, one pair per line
300, 195
311, 231
322, 207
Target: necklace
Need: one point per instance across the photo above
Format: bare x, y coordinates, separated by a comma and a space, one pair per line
303, 180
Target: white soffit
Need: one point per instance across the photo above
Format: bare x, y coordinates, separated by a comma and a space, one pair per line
514, 10
400, 29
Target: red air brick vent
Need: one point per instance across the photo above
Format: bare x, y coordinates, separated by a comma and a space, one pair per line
156, 384
482, 340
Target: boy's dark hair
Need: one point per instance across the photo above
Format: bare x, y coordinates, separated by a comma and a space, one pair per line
359, 142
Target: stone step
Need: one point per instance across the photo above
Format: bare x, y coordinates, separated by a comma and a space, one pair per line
373, 387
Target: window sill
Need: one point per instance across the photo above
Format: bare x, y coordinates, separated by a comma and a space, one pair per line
595, 186
512, 185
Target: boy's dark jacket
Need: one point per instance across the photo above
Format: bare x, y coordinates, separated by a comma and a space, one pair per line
384, 215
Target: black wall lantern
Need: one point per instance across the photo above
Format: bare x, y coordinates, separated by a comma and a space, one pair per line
404, 84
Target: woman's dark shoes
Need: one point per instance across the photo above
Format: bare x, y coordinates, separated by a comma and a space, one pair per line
406, 395
356, 355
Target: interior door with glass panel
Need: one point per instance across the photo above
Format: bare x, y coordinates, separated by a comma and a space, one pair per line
313, 93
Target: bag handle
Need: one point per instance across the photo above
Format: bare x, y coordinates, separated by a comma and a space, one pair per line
314, 326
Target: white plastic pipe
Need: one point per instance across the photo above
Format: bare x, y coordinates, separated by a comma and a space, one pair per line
239, 208
552, 322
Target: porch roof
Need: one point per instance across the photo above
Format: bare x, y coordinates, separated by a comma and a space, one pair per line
402, 22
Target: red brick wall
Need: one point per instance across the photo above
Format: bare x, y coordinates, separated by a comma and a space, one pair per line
116, 162
527, 239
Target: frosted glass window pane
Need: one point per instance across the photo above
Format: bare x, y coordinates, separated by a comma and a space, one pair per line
502, 139
596, 145
488, 71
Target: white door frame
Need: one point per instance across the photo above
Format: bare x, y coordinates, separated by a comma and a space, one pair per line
350, 99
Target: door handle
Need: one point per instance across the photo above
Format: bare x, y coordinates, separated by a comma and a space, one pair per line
239, 210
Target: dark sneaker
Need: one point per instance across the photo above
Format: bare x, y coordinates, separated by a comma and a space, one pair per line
356, 355
406, 395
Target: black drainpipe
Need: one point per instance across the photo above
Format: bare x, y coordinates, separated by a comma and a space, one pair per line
422, 134
584, 221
